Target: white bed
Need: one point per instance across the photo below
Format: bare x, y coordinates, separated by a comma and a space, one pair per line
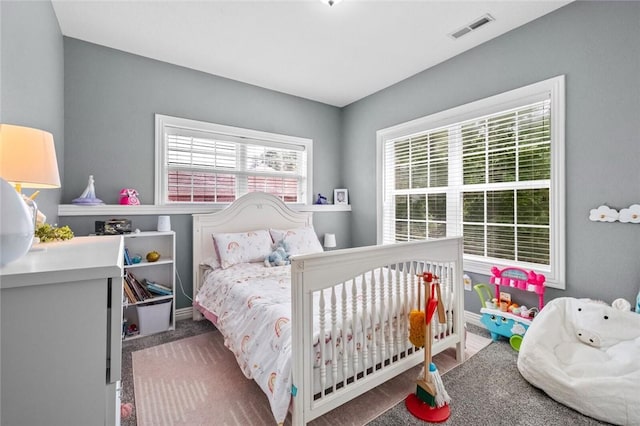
329, 289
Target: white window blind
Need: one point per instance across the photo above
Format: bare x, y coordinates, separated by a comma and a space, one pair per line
208, 163
488, 177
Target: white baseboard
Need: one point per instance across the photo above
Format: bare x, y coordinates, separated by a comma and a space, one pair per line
184, 313
472, 318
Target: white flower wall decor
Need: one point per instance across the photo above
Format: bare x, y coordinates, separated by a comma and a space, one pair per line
630, 214
604, 213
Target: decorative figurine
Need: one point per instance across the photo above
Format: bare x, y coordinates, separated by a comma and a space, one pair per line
88, 197
129, 197
321, 199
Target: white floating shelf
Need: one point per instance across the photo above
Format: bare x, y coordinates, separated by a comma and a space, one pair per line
150, 209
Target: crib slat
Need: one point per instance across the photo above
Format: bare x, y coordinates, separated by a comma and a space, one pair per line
412, 287
404, 342
377, 318
374, 321
365, 338
377, 315
450, 298
386, 317
344, 335
392, 313
354, 328
334, 339
321, 344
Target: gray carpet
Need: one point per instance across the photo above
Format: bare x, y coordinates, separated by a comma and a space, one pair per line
487, 389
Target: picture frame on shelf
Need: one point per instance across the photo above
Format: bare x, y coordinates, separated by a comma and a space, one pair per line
341, 196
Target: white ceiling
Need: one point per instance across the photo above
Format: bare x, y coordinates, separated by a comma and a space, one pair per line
335, 55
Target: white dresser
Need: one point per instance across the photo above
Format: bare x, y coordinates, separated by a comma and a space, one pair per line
60, 332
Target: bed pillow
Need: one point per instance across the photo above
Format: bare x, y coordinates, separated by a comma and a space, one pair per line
300, 240
212, 262
242, 247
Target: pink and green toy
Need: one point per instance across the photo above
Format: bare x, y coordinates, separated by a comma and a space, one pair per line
501, 317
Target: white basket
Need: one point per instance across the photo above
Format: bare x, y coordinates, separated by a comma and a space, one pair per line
155, 317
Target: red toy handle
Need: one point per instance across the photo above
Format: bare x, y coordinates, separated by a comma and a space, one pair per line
432, 304
432, 301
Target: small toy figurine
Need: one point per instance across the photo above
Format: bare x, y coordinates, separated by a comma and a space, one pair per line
88, 197
321, 199
129, 197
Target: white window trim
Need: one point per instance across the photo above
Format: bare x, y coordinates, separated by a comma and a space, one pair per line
162, 121
553, 87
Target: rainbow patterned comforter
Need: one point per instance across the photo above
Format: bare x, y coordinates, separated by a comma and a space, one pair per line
251, 306
253, 309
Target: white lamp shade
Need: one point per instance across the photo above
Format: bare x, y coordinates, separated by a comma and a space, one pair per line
28, 157
329, 240
16, 225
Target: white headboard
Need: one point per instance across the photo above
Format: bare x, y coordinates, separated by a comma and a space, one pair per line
253, 211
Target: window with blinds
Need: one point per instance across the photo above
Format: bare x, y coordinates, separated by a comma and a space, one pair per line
488, 172
201, 162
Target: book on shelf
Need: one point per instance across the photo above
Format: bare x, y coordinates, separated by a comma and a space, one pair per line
140, 291
158, 289
158, 285
134, 295
136, 292
131, 297
127, 257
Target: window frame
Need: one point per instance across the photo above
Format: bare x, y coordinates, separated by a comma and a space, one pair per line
234, 133
553, 89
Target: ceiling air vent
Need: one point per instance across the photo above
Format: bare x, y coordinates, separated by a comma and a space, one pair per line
485, 19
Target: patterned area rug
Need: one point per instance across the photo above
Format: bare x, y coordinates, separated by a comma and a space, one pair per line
196, 381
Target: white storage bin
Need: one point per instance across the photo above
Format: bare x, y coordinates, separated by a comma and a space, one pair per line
155, 317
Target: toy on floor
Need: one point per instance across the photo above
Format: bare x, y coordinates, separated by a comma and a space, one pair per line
430, 402
126, 409
499, 314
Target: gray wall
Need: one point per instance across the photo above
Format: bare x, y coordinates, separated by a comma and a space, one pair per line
110, 101
595, 44
109, 98
31, 79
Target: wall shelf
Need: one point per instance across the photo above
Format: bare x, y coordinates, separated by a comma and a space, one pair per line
151, 209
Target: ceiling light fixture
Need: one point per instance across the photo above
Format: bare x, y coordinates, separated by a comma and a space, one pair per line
330, 2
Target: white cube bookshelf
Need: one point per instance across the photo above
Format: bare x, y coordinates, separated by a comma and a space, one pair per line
152, 310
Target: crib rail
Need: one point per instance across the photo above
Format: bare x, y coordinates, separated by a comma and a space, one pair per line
350, 318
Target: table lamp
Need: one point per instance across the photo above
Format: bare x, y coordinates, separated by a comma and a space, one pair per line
27, 160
